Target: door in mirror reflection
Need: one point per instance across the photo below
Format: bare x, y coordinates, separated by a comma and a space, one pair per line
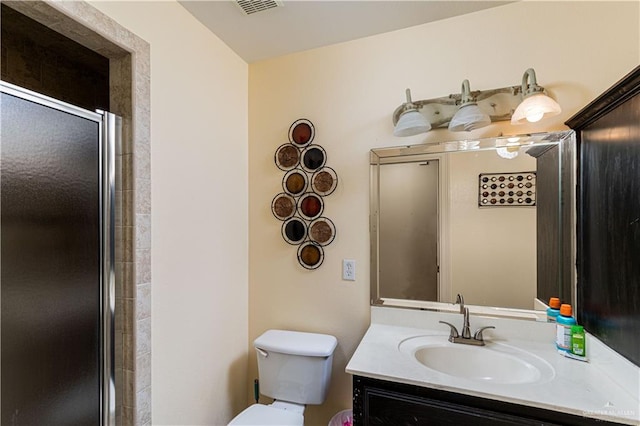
409, 230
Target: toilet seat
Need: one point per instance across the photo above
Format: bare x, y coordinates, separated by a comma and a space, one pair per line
259, 414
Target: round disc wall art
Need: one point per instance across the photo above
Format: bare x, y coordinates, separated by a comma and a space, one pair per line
283, 206
301, 133
287, 157
295, 182
307, 180
310, 255
310, 206
313, 158
324, 181
322, 231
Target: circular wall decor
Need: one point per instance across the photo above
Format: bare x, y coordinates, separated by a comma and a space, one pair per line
324, 181
301, 132
295, 182
283, 206
306, 181
313, 158
310, 206
310, 255
287, 157
322, 231
294, 230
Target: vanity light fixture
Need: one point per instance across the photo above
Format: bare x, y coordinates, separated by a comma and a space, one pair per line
411, 122
535, 104
469, 110
469, 116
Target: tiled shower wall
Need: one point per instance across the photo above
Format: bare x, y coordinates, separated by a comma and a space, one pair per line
129, 98
125, 369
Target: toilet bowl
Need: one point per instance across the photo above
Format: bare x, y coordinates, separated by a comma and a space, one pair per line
295, 370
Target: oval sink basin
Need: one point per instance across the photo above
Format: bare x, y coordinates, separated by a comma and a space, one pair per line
496, 362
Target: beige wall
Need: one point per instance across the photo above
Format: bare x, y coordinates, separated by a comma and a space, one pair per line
199, 215
349, 92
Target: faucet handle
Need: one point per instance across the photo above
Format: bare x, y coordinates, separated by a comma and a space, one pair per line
454, 331
478, 334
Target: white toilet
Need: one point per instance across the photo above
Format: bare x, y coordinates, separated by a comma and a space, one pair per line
295, 370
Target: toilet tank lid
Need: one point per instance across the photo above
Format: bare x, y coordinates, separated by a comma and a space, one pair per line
296, 343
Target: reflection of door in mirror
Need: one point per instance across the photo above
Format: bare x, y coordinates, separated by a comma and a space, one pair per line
409, 230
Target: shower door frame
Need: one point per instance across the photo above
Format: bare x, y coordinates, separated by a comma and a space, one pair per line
109, 136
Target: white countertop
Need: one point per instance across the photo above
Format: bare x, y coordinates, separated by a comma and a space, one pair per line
607, 387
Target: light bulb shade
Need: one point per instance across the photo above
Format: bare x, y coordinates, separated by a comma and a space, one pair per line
410, 123
469, 117
535, 107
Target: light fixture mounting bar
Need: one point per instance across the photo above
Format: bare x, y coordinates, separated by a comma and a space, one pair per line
498, 103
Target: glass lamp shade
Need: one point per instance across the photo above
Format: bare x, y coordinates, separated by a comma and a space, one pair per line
469, 117
533, 108
410, 123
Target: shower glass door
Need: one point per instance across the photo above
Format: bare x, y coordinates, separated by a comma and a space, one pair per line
57, 248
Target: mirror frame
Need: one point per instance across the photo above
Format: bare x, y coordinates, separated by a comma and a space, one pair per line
413, 153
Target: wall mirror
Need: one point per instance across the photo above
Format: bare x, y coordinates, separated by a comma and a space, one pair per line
491, 219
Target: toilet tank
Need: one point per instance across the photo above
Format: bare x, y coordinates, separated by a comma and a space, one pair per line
294, 366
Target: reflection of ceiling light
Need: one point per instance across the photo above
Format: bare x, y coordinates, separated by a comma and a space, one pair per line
467, 145
508, 152
513, 139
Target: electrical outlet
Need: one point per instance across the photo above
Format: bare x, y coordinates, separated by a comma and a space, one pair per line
348, 270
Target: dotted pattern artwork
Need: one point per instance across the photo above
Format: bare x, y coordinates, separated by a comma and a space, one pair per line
307, 180
507, 189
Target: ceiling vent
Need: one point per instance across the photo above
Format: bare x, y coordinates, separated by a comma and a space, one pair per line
250, 7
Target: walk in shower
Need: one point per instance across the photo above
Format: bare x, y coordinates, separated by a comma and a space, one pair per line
57, 261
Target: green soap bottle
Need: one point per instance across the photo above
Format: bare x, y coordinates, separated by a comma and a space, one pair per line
578, 341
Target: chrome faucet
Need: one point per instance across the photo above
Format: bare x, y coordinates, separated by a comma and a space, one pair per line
455, 337
466, 330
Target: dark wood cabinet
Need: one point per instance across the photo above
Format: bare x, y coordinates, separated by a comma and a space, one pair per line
383, 403
608, 214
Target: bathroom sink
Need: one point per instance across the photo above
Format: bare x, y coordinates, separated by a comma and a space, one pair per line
494, 363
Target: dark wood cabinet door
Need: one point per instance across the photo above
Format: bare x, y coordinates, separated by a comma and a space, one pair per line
385, 408
383, 403
608, 215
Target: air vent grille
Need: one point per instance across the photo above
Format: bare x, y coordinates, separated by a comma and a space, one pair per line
254, 6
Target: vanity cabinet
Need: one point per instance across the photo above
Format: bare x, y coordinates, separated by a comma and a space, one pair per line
383, 403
